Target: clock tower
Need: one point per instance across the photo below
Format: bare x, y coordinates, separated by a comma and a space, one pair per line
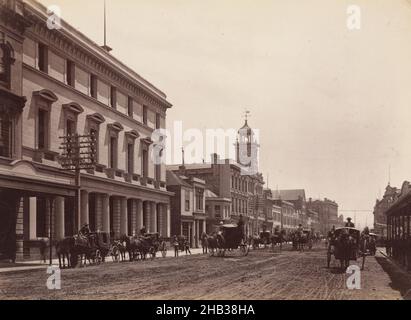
247, 148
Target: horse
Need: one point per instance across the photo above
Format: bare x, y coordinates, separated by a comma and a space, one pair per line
204, 242
130, 245
63, 251
214, 243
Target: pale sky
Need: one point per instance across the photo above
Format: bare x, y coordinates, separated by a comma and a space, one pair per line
332, 105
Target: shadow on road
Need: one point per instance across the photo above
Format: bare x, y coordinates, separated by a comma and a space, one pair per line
400, 281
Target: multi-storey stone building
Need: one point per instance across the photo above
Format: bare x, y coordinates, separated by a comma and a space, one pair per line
226, 179
289, 216
297, 198
327, 213
391, 194
55, 83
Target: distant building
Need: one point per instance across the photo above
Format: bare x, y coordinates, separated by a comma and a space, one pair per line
313, 220
297, 198
381, 205
227, 181
327, 213
289, 216
217, 210
188, 214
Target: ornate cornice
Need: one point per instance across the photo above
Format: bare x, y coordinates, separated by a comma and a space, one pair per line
13, 21
59, 40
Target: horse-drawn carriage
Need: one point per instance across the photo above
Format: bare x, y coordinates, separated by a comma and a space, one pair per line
265, 238
138, 247
302, 238
94, 247
229, 237
372, 245
346, 245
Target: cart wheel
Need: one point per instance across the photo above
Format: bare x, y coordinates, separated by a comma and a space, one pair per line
328, 259
244, 249
211, 252
152, 253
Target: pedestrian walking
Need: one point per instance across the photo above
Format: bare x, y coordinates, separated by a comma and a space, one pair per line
187, 246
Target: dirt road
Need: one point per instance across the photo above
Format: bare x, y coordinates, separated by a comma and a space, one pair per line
260, 275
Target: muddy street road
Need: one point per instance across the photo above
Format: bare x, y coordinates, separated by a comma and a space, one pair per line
260, 275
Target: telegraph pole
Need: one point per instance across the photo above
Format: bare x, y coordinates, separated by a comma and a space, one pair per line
79, 153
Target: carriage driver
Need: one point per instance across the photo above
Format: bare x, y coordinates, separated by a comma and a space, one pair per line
85, 230
349, 223
143, 231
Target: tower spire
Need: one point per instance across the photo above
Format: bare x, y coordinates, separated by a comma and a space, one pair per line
246, 115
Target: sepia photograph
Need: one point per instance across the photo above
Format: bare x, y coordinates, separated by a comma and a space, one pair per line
228, 151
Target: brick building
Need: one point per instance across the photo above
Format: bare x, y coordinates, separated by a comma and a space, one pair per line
55, 83
226, 179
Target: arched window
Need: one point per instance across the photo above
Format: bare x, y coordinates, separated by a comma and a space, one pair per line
6, 60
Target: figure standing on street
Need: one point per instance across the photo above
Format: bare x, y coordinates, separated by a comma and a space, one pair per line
187, 246
175, 244
349, 223
204, 242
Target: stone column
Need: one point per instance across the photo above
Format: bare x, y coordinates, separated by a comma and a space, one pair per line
84, 218
123, 216
59, 216
147, 215
116, 217
153, 221
139, 215
33, 217
105, 212
168, 221
160, 218
133, 221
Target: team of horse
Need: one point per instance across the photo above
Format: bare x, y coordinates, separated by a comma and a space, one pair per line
77, 250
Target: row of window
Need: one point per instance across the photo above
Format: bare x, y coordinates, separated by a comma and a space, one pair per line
220, 212
42, 65
43, 134
241, 184
239, 205
199, 199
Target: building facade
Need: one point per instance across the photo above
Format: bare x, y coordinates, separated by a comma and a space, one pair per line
56, 83
188, 207
297, 198
327, 213
227, 180
398, 215
381, 205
